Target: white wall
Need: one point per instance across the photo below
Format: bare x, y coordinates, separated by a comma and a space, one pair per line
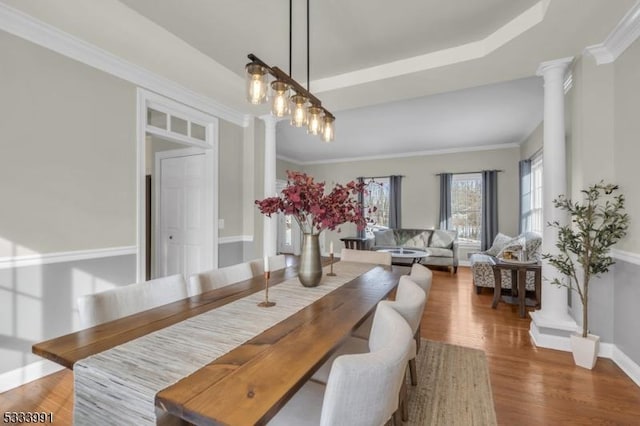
67, 169
420, 186
67, 184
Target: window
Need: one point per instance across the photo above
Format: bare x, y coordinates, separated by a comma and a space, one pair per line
536, 195
377, 196
466, 206
531, 195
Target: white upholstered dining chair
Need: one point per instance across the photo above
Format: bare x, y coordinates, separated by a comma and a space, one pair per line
366, 256
276, 263
216, 278
130, 299
362, 389
420, 275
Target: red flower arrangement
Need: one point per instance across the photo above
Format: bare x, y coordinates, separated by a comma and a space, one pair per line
315, 211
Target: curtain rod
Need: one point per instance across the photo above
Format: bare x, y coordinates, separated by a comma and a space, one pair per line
470, 173
377, 177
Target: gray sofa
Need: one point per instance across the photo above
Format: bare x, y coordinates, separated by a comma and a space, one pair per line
441, 245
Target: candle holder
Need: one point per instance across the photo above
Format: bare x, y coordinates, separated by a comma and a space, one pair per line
331, 274
266, 303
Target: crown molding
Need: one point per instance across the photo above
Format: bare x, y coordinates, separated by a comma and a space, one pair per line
404, 154
290, 160
621, 37
29, 28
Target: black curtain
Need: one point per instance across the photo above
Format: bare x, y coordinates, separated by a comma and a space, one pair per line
524, 167
361, 233
445, 200
395, 202
489, 208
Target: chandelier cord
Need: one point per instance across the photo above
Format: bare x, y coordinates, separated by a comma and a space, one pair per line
308, 68
290, 33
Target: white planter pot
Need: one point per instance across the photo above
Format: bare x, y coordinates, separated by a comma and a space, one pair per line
585, 349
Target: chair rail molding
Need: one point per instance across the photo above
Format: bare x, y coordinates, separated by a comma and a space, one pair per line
235, 239
63, 257
36, 31
626, 256
621, 37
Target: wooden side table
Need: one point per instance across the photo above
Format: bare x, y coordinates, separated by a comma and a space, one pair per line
518, 281
354, 243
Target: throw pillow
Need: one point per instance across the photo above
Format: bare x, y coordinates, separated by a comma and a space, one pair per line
514, 245
499, 243
418, 241
441, 239
385, 238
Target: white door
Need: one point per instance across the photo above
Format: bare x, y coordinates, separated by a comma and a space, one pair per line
181, 246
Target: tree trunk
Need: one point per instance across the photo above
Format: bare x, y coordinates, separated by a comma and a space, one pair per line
585, 308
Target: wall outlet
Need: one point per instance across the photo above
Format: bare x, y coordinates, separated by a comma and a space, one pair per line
220, 223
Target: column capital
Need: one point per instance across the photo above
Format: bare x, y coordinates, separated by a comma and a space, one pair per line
557, 64
269, 119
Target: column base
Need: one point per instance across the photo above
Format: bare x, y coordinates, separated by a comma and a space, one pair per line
551, 333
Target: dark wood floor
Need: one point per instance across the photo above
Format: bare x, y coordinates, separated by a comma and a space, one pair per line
531, 386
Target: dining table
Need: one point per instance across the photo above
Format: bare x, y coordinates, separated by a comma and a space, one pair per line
218, 357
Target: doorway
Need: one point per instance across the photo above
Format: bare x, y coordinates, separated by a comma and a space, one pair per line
177, 148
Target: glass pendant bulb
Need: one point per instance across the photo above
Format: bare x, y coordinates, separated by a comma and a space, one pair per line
299, 111
314, 120
256, 83
279, 98
327, 129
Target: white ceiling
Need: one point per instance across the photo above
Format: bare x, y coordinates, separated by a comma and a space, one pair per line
395, 74
479, 117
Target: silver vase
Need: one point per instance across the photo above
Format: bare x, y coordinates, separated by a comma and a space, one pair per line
310, 263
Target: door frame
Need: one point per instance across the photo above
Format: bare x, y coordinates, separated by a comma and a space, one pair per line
157, 187
296, 240
144, 100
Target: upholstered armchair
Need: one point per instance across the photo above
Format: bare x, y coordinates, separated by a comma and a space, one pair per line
481, 267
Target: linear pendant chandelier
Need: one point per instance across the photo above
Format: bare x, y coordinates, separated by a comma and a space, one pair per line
287, 95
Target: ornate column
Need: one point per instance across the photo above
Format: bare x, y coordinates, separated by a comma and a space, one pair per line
553, 322
270, 227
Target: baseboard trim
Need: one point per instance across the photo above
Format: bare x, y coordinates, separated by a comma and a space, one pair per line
627, 365
235, 239
64, 256
606, 350
34, 371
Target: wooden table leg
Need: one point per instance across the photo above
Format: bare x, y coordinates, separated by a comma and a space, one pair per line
522, 279
538, 281
497, 288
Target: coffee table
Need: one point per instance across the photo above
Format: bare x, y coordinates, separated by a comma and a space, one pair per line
414, 255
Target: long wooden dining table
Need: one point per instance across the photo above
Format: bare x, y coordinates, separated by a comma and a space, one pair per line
250, 383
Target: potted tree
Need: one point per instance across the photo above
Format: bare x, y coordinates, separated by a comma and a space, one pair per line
597, 223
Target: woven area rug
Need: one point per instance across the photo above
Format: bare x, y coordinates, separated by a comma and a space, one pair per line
453, 387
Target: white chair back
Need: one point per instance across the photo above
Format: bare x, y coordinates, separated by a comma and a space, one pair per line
422, 276
276, 263
409, 303
216, 278
130, 299
366, 256
363, 389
